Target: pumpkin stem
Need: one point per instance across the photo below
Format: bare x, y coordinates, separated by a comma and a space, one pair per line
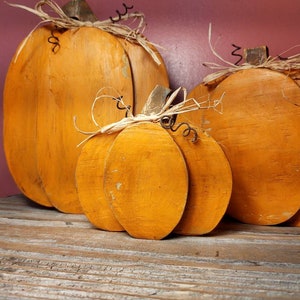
79, 10
256, 56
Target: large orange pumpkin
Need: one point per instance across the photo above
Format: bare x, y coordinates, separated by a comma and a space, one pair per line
47, 85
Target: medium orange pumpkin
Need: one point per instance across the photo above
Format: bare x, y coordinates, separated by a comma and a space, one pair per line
47, 85
259, 131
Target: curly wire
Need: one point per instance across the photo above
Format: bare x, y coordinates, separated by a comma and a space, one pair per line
169, 123
54, 40
120, 15
119, 103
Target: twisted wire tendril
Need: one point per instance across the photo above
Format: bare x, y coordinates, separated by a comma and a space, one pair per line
168, 122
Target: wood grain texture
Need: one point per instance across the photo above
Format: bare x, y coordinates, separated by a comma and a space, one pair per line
90, 182
46, 88
144, 79
49, 255
210, 183
146, 181
259, 131
71, 85
19, 113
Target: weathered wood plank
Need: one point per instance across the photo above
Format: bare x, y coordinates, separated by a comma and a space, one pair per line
49, 255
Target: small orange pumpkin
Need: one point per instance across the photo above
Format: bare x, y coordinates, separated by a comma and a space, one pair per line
134, 172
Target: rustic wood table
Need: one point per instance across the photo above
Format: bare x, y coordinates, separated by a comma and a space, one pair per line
46, 254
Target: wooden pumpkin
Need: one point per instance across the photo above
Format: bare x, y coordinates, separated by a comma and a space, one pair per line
54, 76
259, 131
146, 181
209, 175
210, 181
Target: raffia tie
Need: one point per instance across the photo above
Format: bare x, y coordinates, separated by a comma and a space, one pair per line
273, 63
168, 110
61, 20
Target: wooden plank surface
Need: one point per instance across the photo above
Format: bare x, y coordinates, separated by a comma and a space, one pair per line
46, 254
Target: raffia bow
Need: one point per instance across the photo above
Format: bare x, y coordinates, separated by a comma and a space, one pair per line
273, 63
168, 110
61, 20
